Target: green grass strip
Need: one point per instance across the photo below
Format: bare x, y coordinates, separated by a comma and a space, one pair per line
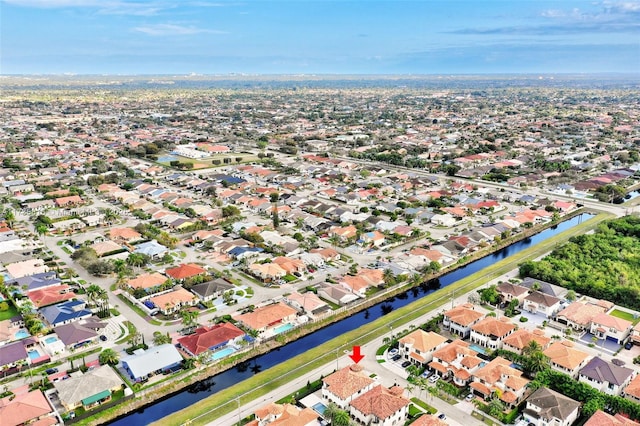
225, 401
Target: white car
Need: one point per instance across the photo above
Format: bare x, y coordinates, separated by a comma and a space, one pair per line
434, 378
393, 352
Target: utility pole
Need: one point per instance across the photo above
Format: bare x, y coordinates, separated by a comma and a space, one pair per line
238, 401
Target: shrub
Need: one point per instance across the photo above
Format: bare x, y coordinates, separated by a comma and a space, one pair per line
524, 319
4, 306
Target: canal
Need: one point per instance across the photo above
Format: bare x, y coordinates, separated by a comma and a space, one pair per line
201, 390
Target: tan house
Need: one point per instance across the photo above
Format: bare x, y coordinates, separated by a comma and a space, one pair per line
565, 358
419, 346
173, 300
498, 376
632, 391
456, 360
267, 317
605, 326
147, 282
579, 315
27, 408
509, 291
267, 271
284, 415
124, 235
460, 319
381, 405
520, 339
90, 389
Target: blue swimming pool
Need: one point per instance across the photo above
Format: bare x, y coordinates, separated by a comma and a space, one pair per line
319, 408
167, 158
282, 328
33, 354
478, 349
222, 353
21, 334
51, 339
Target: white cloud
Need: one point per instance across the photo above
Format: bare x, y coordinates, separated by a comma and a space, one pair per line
173, 29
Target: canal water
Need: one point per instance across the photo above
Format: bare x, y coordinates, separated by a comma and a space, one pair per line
201, 390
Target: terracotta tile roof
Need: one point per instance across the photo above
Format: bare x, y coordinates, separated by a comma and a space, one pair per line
206, 338
49, 295
380, 402
463, 315
494, 371
563, 354
581, 313
347, 381
185, 271
633, 388
450, 352
286, 415
124, 234
610, 321
600, 418
429, 420
512, 289
23, 408
266, 316
491, 326
173, 298
423, 341
147, 280
521, 338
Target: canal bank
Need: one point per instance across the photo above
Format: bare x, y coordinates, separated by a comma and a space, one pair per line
351, 330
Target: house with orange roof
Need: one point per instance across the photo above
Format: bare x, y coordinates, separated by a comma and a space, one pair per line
373, 238
308, 302
490, 331
27, 408
211, 338
456, 360
185, 271
635, 334
274, 414
632, 391
71, 200
429, 420
105, 247
381, 405
290, 265
147, 282
565, 358
520, 339
346, 384
328, 254
499, 377
600, 418
605, 326
267, 317
419, 346
51, 295
579, 315
268, 272
460, 319
344, 233
123, 235
173, 300
365, 279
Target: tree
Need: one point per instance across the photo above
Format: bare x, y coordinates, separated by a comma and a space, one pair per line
489, 295
137, 259
533, 359
92, 292
495, 407
160, 338
189, 318
337, 416
109, 356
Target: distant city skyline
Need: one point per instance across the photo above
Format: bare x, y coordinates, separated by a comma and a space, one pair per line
318, 37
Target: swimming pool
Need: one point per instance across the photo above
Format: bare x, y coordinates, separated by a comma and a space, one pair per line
478, 349
167, 158
51, 339
319, 408
21, 334
33, 354
282, 328
222, 353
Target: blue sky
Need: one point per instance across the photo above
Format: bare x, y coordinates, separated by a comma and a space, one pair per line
318, 36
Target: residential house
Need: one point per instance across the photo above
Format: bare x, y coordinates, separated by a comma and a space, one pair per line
308, 302
74, 335
211, 338
268, 272
520, 339
290, 265
605, 376
171, 301
460, 319
547, 407
27, 408
565, 358
429, 420
498, 376
35, 281
103, 248
69, 201
419, 346
632, 391
544, 287
490, 331
124, 235
600, 418
335, 294
456, 360
635, 334
268, 316
284, 415
90, 389
381, 406
185, 271
26, 268
344, 233
364, 279
372, 239
579, 315
537, 302
346, 384
328, 254
65, 313
152, 248
211, 289
605, 326
149, 282
50, 295
143, 364
15, 354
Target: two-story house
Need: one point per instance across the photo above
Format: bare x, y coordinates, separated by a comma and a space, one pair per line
578, 315
509, 292
605, 326
345, 385
419, 346
498, 376
520, 339
546, 407
460, 319
490, 331
537, 302
605, 376
381, 406
456, 360
565, 358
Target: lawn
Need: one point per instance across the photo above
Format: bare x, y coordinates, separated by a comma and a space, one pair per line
429, 409
625, 316
10, 312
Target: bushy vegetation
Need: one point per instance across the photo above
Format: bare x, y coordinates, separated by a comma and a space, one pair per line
604, 265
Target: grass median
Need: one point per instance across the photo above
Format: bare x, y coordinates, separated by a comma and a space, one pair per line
227, 400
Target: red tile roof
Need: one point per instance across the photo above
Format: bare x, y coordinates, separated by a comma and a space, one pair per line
209, 337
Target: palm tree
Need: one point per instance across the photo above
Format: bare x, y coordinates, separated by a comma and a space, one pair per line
92, 292
160, 338
337, 416
137, 259
189, 318
108, 356
111, 216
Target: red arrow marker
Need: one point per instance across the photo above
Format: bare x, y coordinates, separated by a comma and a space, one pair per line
357, 356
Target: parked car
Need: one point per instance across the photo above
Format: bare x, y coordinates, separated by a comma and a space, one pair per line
396, 357
434, 378
393, 352
469, 397
628, 345
103, 337
442, 416
426, 374
406, 364
51, 370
